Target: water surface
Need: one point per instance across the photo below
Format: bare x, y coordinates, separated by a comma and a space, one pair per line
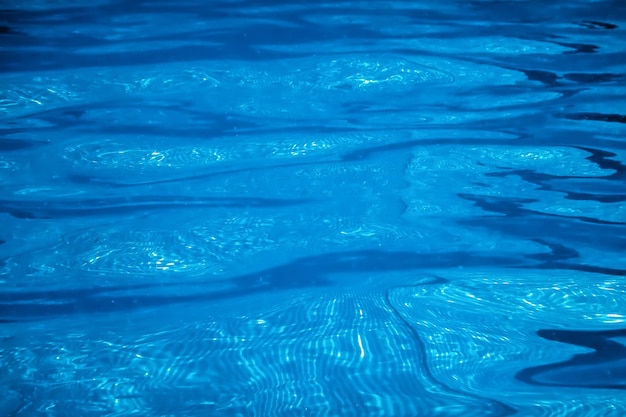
282, 208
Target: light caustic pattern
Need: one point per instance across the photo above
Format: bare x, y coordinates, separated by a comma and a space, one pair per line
329, 209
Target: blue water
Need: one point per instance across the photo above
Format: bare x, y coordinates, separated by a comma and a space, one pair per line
301, 208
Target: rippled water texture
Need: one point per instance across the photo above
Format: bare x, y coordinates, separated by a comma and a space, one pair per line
312, 209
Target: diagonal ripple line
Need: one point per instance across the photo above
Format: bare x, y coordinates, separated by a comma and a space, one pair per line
498, 408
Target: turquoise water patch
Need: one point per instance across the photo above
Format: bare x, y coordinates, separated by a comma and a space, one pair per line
312, 209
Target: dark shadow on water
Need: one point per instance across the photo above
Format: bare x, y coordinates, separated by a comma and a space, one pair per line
604, 368
599, 117
311, 272
7, 145
49, 209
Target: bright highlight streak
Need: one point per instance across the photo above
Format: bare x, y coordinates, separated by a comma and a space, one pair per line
361, 346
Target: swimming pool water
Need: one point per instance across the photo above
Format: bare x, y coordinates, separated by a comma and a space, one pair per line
238, 208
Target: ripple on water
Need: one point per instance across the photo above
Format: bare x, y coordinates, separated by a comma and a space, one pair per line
510, 171
158, 158
204, 244
481, 330
115, 154
325, 353
486, 45
213, 85
200, 250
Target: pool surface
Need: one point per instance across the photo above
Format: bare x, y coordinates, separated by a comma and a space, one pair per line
274, 208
